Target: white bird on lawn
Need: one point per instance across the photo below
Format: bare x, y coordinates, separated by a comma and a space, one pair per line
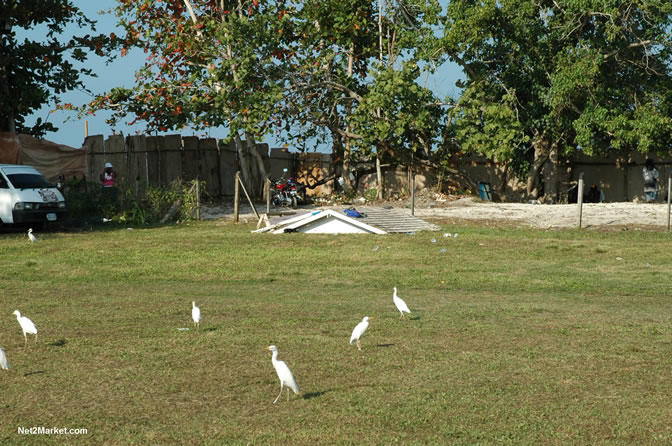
359, 330
196, 315
4, 365
26, 325
284, 374
399, 302
31, 236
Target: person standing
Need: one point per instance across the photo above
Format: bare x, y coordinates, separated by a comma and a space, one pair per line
109, 179
109, 176
650, 174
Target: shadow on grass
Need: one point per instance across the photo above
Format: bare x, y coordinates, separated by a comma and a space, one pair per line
414, 318
209, 329
385, 345
36, 372
311, 395
59, 343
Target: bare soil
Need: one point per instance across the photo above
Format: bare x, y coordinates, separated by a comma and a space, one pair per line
441, 208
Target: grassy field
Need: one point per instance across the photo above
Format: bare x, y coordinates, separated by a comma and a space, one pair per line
516, 337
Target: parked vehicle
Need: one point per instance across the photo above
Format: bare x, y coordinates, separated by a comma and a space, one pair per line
286, 192
27, 197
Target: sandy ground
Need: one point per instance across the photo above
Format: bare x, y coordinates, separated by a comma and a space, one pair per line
455, 210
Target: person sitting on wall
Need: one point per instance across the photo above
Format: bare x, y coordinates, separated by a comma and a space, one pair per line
593, 195
650, 174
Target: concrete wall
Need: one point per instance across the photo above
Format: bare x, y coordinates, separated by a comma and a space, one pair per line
620, 175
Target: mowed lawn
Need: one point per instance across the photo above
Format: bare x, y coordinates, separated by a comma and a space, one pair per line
515, 337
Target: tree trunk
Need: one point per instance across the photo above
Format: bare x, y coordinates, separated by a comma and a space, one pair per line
380, 192
550, 174
336, 157
259, 174
347, 167
347, 152
541, 154
241, 149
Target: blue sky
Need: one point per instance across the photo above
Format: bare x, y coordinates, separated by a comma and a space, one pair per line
121, 73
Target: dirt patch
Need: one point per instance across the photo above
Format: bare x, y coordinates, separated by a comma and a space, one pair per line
458, 210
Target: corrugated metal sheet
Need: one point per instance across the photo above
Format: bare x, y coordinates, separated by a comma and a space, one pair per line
394, 219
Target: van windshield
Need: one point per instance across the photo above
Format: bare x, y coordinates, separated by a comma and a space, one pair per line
28, 181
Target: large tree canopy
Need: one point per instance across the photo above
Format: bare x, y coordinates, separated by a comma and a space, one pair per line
343, 70
545, 78
34, 72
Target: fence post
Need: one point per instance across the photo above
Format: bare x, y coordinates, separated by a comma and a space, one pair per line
579, 198
248, 198
236, 196
198, 199
267, 186
669, 197
413, 194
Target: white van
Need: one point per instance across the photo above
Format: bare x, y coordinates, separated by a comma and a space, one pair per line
27, 197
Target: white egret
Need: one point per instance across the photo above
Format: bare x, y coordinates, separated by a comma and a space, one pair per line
284, 374
359, 330
4, 365
401, 305
31, 236
196, 314
26, 325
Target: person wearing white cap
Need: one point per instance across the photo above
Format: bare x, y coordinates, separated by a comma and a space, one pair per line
109, 179
109, 176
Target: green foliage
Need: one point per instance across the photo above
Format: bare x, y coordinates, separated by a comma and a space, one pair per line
155, 203
397, 112
582, 75
371, 194
300, 69
488, 127
83, 200
127, 205
33, 72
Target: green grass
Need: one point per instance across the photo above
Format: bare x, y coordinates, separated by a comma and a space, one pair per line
516, 337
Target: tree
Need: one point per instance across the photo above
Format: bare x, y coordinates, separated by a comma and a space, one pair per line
546, 79
208, 65
34, 72
297, 68
355, 72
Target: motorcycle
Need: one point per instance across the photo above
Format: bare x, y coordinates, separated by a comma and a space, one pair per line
285, 192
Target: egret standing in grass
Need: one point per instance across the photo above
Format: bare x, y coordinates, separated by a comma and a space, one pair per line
401, 305
31, 236
26, 325
4, 365
196, 314
284, 374
359, 330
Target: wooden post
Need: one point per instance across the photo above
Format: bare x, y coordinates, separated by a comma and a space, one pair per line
198, 199
669, 198
579, 199
413, 194
268, 195
236, 197
86, 129
248, 198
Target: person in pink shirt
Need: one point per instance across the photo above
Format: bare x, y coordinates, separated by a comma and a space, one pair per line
109, 176
109, 179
